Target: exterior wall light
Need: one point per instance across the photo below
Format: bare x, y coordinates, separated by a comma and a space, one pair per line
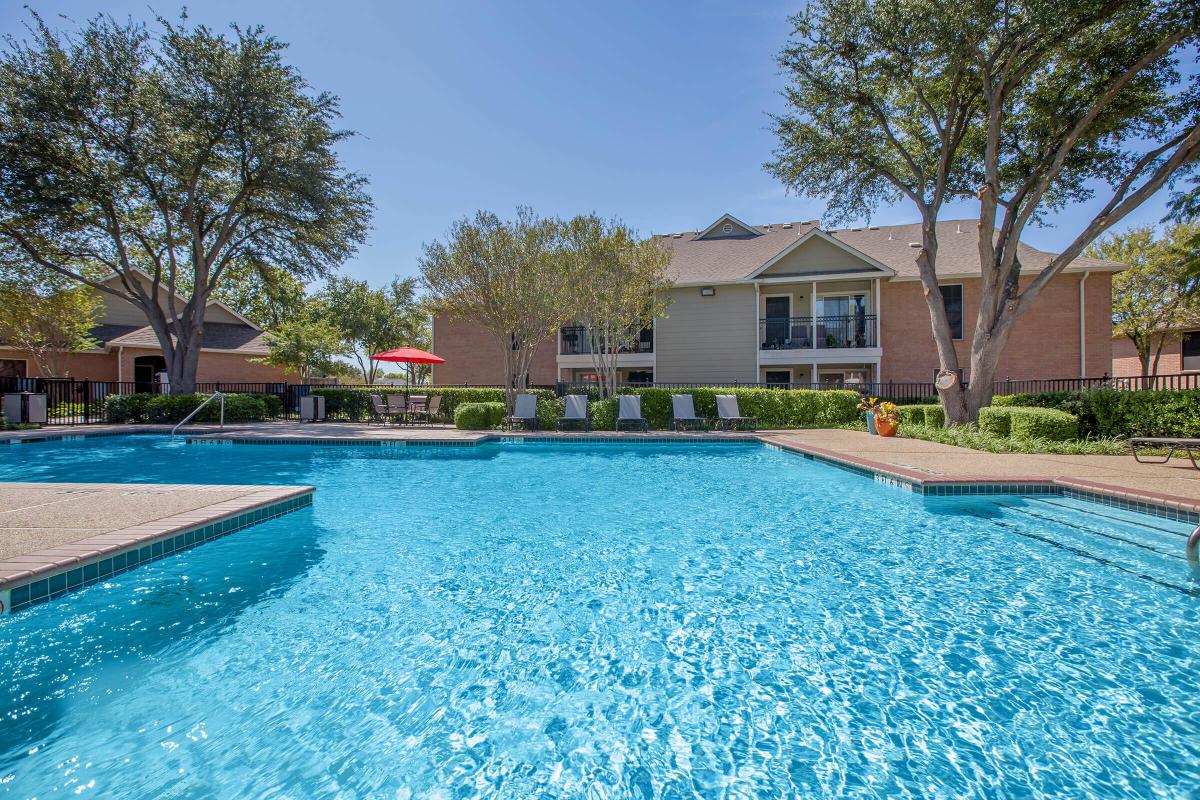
707, 291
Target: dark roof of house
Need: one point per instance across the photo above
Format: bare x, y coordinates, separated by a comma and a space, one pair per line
106, 333
216, 336
735, 258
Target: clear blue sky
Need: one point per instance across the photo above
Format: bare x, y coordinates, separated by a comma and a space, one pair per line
654, 112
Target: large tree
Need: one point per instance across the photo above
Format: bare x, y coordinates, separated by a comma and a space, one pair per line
373, 320
1025, 107
512, 278
174, 153
1159, 293
620, 289
307, 343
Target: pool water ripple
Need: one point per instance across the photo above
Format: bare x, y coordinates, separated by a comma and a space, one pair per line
642, 621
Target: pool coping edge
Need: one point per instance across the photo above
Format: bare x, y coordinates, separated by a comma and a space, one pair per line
96, 558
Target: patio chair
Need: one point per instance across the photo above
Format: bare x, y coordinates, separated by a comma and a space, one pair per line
576, 412
629, 411
380, 410
729, 417
524, 413
683, 413
397, 407
428, 410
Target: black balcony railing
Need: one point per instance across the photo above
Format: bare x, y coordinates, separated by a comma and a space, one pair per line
827, 332
576, 342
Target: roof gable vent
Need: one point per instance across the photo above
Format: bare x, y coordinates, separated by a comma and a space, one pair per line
727, 227
914, 244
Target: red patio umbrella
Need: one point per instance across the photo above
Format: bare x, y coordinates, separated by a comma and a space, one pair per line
408, 355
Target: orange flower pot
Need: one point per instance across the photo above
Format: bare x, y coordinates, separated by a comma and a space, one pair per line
886, 427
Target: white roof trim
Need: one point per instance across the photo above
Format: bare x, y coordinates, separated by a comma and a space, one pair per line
731, 218
818, 233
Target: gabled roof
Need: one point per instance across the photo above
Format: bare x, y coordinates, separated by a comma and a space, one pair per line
216, 336
734, 259
183, 300
817, 233
748, 230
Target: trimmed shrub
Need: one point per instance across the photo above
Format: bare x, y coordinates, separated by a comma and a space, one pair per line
167, 408
478, 416
1111, 413
354, 403
996, 420
1042, 423
930, 414
604, 414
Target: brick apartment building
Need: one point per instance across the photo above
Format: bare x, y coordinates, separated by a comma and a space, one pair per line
793, 303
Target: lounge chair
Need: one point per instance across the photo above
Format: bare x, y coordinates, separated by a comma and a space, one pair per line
629, 411
1172, 443
683, 413
428, 410
729, 417
576, 412
524, 413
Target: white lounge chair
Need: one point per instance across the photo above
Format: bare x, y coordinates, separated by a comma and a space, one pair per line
524, 413
576, 412
683, 413
729, 416
629, 412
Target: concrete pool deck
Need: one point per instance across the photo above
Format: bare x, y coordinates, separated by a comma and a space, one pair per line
76, 531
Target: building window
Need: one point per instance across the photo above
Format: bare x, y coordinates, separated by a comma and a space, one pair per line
952, 298
1191, 350
778, 377
12, 368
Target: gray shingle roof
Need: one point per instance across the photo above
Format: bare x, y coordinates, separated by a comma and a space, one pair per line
717, 260
106, 333
216, 336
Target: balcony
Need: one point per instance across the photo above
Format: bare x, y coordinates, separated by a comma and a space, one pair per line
574, 341
820, 333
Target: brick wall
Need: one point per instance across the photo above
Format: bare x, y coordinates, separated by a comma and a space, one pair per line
473, 357
228, 367
1044, 343
1125, 362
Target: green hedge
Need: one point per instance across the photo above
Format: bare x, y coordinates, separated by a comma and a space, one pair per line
355, 403
930, 414
1110, 413
996, 420
775, 408
1042, 423
478, 416
166, 408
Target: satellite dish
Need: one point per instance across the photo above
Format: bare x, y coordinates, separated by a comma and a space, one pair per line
945, 379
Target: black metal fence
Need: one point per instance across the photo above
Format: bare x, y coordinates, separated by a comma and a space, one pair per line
82, 402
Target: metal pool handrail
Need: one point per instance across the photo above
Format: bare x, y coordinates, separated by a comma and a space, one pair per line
1193, 548
196, 411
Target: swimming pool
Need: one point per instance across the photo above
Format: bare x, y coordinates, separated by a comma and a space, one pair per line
600, 620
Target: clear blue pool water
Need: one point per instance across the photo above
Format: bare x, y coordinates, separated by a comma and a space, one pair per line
606, 620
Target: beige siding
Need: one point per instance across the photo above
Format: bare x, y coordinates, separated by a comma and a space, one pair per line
818, 256
708, 339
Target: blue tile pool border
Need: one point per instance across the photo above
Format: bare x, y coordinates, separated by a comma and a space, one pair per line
44, 586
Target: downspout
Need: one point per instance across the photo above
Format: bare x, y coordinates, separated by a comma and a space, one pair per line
120, 363
757, 333
1082, 328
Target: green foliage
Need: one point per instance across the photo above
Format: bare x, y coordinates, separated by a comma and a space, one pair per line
179, 152
354, 403
1111, 413
305, 344
47, 318
479, 416
374, 320
1159, 293
996, 420
931, 414
775, 408
1042, 423
167, 408
971, 437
